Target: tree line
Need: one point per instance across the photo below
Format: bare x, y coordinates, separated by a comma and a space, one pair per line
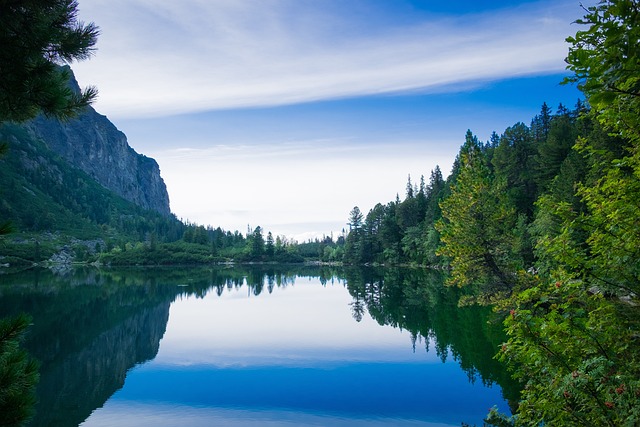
543, 223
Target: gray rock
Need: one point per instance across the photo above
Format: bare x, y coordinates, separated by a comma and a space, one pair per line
93, 144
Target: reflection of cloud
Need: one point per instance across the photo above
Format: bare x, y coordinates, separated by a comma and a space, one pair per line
158, 58
125, 413
274, 340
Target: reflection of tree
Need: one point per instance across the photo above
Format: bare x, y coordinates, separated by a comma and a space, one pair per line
416, 300
90, 327
357, 309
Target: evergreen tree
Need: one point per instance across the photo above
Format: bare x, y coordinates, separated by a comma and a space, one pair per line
270, 247
541, 123
560, 137
477, 226
434, 196
513, 162
410, 192
18, 373
36, 38
355, 219
374, 244
353, 250
421, 200
256, 243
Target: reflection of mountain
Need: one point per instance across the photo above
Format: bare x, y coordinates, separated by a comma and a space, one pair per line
86, 337
417, 300
90, 326
78, 382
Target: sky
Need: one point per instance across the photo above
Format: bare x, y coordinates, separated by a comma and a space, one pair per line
286, 114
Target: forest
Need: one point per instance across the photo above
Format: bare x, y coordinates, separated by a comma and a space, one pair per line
540, 222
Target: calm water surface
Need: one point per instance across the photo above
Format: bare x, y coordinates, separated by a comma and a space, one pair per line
257, 347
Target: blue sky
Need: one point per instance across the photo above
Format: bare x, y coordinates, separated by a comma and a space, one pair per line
287, 113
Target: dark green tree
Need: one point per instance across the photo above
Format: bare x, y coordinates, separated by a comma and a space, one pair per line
18, 373
421, 199
373, 228
410, 189
435, 191
270, 246
513, 161
561, 135
541, 123
353, 251
38, 36
355, 219
256, 243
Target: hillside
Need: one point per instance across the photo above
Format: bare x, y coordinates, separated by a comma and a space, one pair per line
42, 192
78, 180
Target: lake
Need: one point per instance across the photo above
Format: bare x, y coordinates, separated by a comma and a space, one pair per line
257, 346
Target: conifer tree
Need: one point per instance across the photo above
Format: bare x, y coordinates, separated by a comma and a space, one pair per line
477, 226
18, 373
36, 38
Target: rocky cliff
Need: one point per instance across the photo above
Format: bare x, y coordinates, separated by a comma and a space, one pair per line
93, 144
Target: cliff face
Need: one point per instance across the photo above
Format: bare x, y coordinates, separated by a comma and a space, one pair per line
93, 144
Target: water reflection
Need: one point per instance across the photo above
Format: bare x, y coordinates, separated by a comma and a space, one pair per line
254, 346
416, 300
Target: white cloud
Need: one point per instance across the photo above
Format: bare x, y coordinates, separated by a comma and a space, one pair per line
165, 57
301, 190
126, 413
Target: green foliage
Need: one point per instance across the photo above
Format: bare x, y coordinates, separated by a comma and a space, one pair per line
477, 228
513, 162
573, 333
175, 253
612, 224
18, 373
36, 38
255, 244
577, 353
605, 60
40, 192
553, 149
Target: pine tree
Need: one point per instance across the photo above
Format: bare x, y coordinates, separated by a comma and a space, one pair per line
270, 247
18, 373
513, 161
36, 38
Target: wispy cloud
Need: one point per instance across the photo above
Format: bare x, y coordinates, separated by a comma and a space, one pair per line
163, 57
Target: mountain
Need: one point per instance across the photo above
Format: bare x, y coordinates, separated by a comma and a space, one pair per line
93, 144
82, 179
